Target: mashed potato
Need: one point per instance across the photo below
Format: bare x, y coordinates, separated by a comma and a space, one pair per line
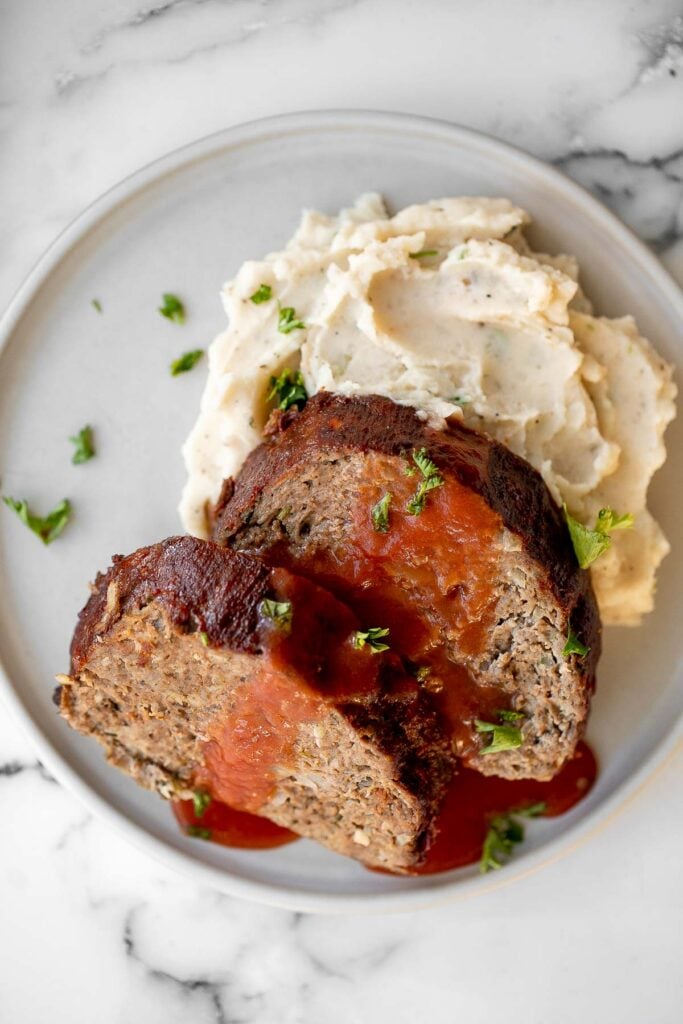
444, 307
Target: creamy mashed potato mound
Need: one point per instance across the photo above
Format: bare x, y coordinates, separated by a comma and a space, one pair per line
444, 307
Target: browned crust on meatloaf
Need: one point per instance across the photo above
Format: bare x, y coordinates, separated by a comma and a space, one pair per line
365, 777
198, 587
334, 430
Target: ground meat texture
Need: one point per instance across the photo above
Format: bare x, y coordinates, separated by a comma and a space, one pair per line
479, 589
186, 681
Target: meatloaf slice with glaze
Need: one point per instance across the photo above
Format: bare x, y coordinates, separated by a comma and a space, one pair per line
468, 562
199, 668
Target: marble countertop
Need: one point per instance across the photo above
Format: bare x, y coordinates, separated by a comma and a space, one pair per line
89, 927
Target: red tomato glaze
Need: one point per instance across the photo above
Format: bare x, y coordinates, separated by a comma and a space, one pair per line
422, 579
472, 801
231, 828
301, 670
382, 575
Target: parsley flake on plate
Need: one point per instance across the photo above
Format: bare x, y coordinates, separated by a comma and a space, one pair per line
197, 832
504, 833
590, 544
96, 305
288, 321
288, 389
262, 294
85, 448
172, 308
380, 513
423, 254
372, 637
279, 612
48, 527
186, 361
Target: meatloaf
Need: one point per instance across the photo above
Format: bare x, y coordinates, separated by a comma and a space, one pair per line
450, 541
199, 668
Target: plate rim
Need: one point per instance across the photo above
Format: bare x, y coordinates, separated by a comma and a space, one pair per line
436, 889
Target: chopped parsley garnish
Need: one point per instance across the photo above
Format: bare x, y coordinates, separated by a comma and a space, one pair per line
200, 802
460, 399
424, 463
608, 520
204, 637
372, 637
574, 645
288, 389
96, 304
534, 811
510, 716
172, 308
431, 479
84, 446
262, 294
380, 513
279, 612
288, 321
417, 503
186, 361
197, 832
423, 673
463, 253
49, 527
503, 737
504, 833
590, 544
423, 254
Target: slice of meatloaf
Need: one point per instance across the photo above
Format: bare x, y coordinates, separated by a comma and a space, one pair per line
468, 563
196, 667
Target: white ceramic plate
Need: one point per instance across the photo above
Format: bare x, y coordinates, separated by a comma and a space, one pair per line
185, 224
